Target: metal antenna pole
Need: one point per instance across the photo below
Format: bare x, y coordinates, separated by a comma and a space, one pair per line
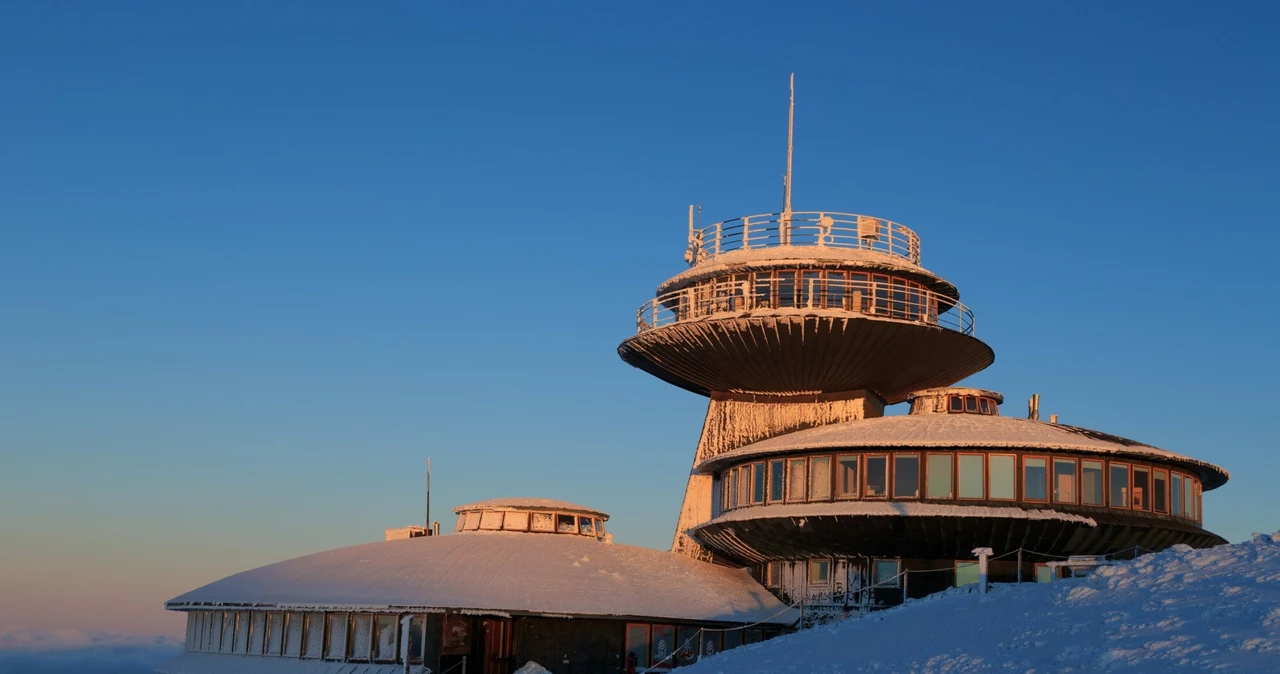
428, 494
791, 124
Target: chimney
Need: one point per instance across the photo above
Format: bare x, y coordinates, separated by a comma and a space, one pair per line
1033, 407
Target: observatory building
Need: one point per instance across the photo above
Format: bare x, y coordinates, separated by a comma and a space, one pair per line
800, 327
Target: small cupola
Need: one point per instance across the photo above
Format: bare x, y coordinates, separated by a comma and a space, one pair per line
531, 515
955, 400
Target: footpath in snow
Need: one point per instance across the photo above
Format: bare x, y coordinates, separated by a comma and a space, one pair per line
1216, 609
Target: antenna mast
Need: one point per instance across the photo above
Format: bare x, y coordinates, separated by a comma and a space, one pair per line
428, 493
791, 123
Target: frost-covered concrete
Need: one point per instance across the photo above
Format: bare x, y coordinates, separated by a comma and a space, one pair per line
1215, 609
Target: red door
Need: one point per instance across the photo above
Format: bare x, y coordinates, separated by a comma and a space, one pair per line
497, 646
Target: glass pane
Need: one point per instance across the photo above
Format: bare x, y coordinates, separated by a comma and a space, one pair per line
337, 646
1064, 481
1003, 477
1119, 486
971, 474
1141, 488
638, 644
757, 483
955, 404
848, 474
566, 524
491, 520
228, 632
293, 635
886, 572
938, 470
1035, 479
795, 479
877, 476
710, 643
1044, 574
786, 289
732, 639
971, 404
906, 476
835, 290
473, 521
1161, 496
664, 638
1187, 507
753, 636
585, 527
1177, 494
542, 522
811, 289
386, 627
515, 521
1091, 482
819, 571
361, 636
417, 628
256, 632
314, 647
686, 645
744, 485
275, 633
966, 573
776, 484
820, 478
984, 405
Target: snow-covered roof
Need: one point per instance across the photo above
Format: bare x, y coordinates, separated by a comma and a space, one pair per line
894, 509
501, 573
528, 503
962, 430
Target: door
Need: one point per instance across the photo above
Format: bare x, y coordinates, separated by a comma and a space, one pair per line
497, 646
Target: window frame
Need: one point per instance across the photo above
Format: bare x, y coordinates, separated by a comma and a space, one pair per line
759, 478
1102, 475
1047, 465
810, 568
857, 478
1147, 488
919, 475
782, 481
1075, 481
1128, 484
1168, 507
875, 573
866, 473
804, 475
813, 462
928, 475
1016, 481
982, 476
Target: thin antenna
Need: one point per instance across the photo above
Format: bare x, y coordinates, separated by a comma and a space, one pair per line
428, 493
791, 124
691, 222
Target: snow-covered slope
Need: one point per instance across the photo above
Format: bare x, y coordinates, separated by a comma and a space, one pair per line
1179, 610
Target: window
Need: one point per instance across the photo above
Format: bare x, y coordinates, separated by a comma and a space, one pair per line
386, 628
1044, 573
967, 574
820, 478
1177, 494
638, 643
1035, 478
955, 404
786, 288
819, 571
971, 469
984, 405
776, 485
565, 524
753, 636
293, 635
795, 479
835, 290
417, 630
1064, 481
314, 646
1160, 491
729, 486
877, 476
473, 521
1188, 504
732, 639
361, 636
516, 521
773, 574
938, 475
710, 643
1004, 477
886, 573
275, 633
744, 485
336, 647
491, 520
906, 476
686, 645
228, 632
757, 482
191, 630
1119, 486
1091, 483
543, 522
847, 485
970, 405
215, 635
585, 527
257, 632
1141, 488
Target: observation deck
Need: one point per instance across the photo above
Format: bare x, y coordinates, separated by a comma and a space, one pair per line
806, 302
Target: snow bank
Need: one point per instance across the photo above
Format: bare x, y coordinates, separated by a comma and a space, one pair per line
532, 667
1178, 610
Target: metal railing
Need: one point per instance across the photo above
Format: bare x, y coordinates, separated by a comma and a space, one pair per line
803, 228
872, 298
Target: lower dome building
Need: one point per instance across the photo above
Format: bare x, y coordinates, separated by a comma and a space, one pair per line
520, 580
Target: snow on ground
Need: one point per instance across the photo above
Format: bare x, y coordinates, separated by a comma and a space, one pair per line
78, 652
1180, 610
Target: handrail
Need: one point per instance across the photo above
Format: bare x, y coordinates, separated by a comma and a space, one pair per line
871, 298
803, 228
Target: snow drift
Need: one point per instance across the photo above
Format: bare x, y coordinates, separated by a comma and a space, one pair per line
1181, 609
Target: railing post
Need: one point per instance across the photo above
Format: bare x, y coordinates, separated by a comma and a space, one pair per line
746, 233
719, 228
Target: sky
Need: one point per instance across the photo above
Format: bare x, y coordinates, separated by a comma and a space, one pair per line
260, 260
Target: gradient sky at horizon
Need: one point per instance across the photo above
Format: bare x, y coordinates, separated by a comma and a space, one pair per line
260, 260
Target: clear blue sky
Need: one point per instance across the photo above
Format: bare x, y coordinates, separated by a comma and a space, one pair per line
259, 260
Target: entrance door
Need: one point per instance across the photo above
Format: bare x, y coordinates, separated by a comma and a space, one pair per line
497, 646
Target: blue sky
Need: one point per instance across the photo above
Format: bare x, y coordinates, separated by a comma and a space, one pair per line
260, 261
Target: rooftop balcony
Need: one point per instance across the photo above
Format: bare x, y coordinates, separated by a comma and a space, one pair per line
803, 228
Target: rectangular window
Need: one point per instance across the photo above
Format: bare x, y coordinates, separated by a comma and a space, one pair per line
314, 646
293, 635
777, 487
1160, 490
1177, 494
753, 636
491, 520
984, 405
773, 574
192, 624
971, 469
955, 404
725, 491
811, 289
686, 645
795, 479
938, 475
786, 289
206, 631
361, 636
586, 527
242, 632
1188, 505
744, 485
835, 290
473, 521
386, 627
228, 632
417, 630
542, 522
848, 472
515, 521
820, 478
1035, 479
886, 573
877, 476
275, 633
215, 638
257, 632
732, 639
906, 476
757, 482
1064, 481
1044, 573
819, 571
1119, 486
1004, 477
566, 524
1091, 483
1141, 488
336, 643
638, 643
970, 405
967, 574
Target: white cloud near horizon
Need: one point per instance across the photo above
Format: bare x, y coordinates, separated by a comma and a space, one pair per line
81, 652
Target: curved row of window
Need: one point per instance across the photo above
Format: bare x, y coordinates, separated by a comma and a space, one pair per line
962, 476
347, 637
536, 522
862, 292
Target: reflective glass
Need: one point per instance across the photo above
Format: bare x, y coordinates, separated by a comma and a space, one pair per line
877, 476
971, 470
906, 476
967, 573
1064, 481
1119, 486
1035, 479
1004, 472
848, 474
777, 487
938, 474
1091, 482
820, 478
795, 479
